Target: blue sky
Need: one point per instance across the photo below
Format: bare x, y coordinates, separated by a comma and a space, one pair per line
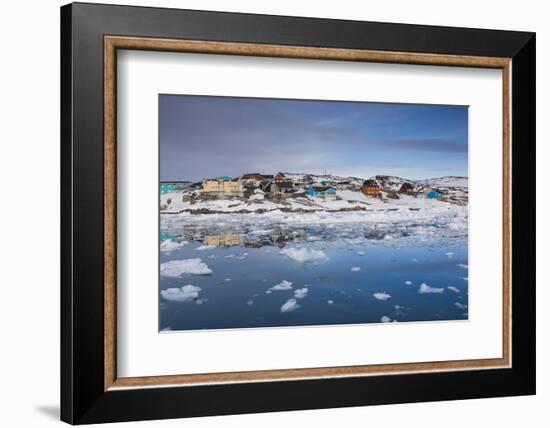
212, 136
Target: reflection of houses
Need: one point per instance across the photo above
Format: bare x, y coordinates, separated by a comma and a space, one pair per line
172, 186
222, 186
371, 188
326, 192
406, 188
225, 239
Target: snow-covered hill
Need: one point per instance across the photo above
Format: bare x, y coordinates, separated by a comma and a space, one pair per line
345, 196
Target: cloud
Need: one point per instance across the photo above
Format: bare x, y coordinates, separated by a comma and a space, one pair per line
175, 268
184, 294
426, 289
430, 144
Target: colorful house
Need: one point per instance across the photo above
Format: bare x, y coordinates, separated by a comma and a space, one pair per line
371, 188
434, 195
256, 176
279, 176
222, 186
172, 186
321, 192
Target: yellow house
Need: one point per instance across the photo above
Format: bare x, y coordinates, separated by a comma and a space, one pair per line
222, 186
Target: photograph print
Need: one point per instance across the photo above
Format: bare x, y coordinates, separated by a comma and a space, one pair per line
287, 212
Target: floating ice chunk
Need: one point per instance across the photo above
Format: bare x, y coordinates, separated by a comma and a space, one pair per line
385, 319
250, 302
300, 293
355, 269
284, 285
388, 237
330, 302
289, 305
360, 253
183, 294
453, 288
169, 245
227, 279
175, 268
381, 296
304, 255
460, 305
426, 289
450, 254
201, 301
462, 265
205, 247
465, 278
408, 282
229, 256
165, 329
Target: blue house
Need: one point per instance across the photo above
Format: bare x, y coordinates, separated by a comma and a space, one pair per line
434, 195
321, 191
172, 186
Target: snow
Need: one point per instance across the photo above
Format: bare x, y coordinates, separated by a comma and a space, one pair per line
284, 285
426, 289
385, 319
290, 305
304, 255
453, 288
169, 245
408, 282
176, 268
381, 296
183, 294
355, 269
300, 293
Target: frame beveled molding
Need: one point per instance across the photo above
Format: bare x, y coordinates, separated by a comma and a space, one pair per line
114, 43
85, 207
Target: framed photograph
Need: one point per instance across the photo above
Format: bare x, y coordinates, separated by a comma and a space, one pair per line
266, 213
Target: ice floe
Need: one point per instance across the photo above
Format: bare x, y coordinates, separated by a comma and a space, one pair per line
450, 254
170, 245
462, 265
408, 282
426, 289
183, 294
460, 305
300, 293
284, 285
453, 288
330, 302
360, 253
304, 255
381, 296
355, 269
205, 247
175, 268
290, 305
385, 318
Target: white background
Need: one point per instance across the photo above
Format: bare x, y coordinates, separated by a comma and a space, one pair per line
144, 352
29, 230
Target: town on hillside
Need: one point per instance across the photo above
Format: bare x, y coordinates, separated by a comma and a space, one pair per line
305, 192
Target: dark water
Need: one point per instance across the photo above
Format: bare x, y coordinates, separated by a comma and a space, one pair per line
237, 293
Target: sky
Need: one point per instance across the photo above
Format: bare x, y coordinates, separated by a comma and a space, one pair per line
205, 136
